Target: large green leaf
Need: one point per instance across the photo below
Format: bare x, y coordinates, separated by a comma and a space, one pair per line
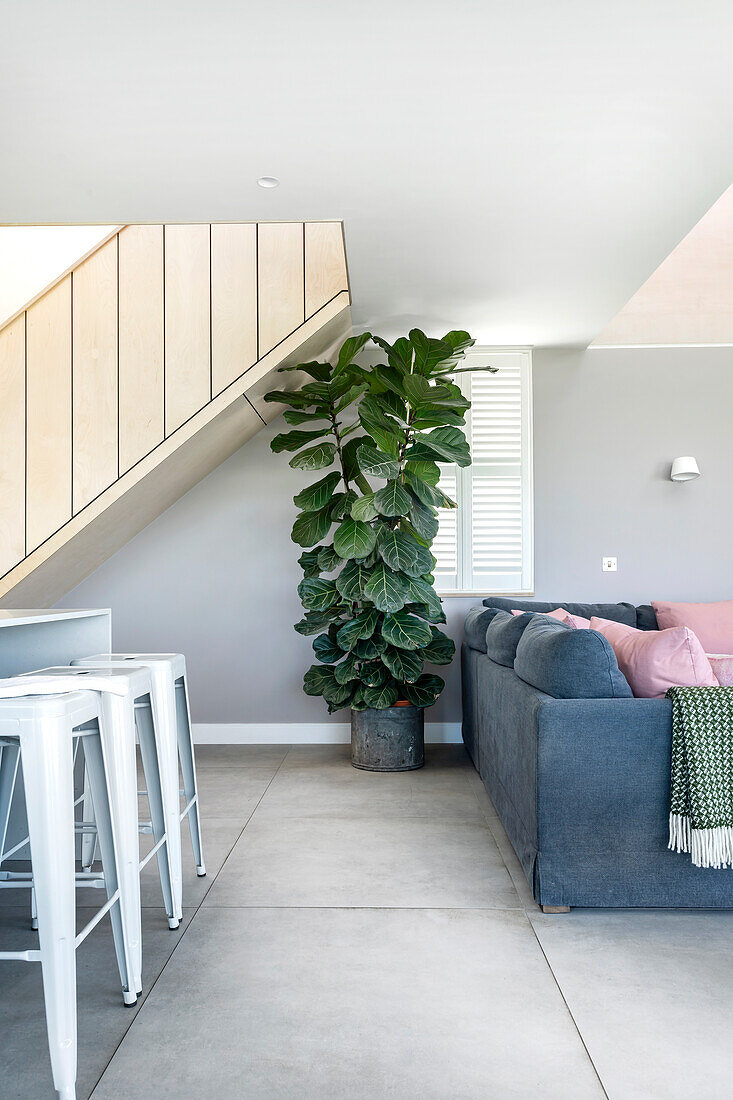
326, 649
440, 649
426, 471
328, 560
318, 594
317, 496
438, 418
379, 698
354, 539
293, 398
425, 691
423, 520
314, 458
347, 670
350, 349
350, 396
296, 416
446, 444
426, 611
423, 394
313, 622
317, 393
429, 353
405, 631
308, 562
358, 628
349, 455
368, 648
293, 441
337, 696
429, 495
392, 500
376, 463
403, 553
373, 674
320, 371
318, 678
385, 589
310, 527
341, 505
383, 429
419, 591
404, 665
363, 508
399, 354
352, 580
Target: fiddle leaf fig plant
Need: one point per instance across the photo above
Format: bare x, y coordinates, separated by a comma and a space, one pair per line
374, 434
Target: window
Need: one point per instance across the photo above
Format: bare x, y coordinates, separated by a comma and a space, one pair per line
485, 544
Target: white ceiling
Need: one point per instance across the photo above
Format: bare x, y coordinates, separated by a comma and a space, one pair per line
515, 169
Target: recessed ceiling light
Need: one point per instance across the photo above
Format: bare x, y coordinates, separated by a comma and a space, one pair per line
268, 181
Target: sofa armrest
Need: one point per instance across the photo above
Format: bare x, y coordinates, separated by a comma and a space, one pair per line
603, 771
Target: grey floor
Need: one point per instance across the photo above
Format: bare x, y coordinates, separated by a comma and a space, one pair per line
366, 936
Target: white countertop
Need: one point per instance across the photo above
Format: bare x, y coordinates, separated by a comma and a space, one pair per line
25, 617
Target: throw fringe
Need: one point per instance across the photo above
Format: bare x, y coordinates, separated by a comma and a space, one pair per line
707, 847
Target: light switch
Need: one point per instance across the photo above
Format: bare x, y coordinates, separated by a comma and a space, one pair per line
609, 565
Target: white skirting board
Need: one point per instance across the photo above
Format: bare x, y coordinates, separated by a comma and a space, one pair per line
303, 733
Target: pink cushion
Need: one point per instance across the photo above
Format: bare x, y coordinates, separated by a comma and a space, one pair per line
722, 666
712, 622
578, 622
654, 660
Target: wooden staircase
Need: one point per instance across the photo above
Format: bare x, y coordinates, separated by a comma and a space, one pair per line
141, 369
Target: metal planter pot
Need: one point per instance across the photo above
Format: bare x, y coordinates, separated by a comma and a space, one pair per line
390, 740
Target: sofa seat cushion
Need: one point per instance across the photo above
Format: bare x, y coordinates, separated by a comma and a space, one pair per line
503, 634
567, 663
618, 612
474, 628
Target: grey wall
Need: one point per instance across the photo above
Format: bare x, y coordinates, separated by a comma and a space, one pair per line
215, 576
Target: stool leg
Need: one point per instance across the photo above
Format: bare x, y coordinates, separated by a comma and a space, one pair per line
46, 748
188, 769
164, 717
9, 756
88, 840
117, 733
96, 772
148, 751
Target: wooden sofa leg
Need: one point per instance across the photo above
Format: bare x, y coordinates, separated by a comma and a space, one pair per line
555, 908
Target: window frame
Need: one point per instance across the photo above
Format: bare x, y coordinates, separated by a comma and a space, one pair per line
466, 585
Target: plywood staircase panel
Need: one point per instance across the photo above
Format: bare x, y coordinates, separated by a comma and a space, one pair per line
140, 372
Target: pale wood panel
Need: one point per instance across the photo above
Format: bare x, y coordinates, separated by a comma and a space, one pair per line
48, 485
325, 264
141, 342
12, 445
233, 302
95, 374
170, 469
187, 322
281, 281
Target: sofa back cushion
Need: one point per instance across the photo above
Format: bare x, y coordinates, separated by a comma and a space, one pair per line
474, 628
712, 622
654, 660
503, 634
619, 612
567, 663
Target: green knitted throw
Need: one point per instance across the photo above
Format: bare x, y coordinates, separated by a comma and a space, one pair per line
701, 802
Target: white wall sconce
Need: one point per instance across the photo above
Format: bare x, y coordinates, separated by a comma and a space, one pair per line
685, 469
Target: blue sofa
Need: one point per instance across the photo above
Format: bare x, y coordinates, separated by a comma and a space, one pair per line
581, 784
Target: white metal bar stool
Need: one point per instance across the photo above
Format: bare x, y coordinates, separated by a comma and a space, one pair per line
138, 708
173, 730
41, 731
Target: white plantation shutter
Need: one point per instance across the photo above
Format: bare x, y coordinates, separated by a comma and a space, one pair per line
485, 545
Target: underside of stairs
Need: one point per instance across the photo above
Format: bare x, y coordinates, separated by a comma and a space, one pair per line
141, 369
